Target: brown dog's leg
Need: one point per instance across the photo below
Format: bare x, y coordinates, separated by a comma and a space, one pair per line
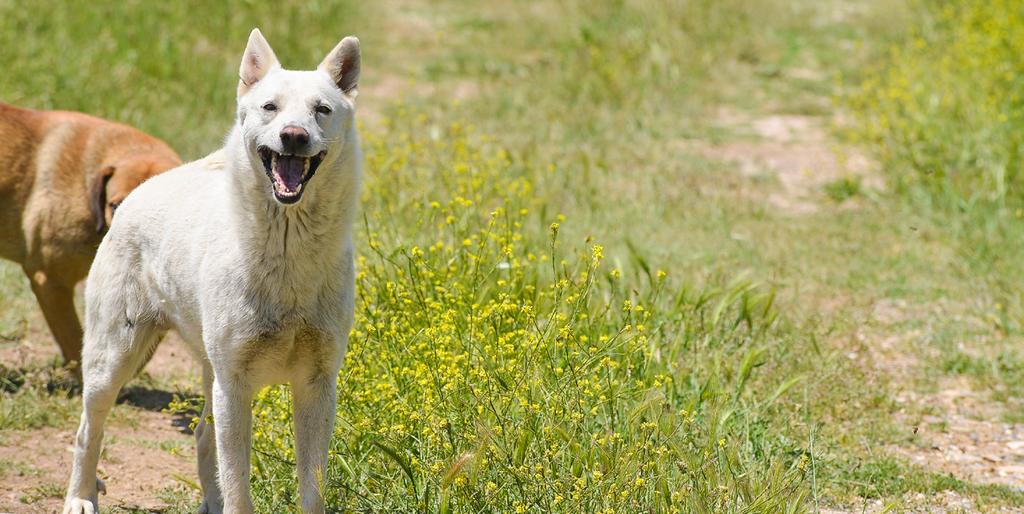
57, 299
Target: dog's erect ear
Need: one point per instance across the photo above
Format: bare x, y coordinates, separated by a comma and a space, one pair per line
258, 59
98, 197
342, 64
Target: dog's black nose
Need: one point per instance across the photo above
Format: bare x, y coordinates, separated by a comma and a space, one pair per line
294, 139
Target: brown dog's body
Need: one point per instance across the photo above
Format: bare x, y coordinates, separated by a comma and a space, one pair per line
63, 175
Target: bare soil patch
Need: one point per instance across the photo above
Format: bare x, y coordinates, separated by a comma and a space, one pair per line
964, 435
956, 429
797, 151
147, 453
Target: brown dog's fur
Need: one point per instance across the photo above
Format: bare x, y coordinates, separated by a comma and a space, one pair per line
63, 175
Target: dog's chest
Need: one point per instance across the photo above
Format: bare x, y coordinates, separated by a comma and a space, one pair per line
287, 309
280, 328
288, 352
283, 298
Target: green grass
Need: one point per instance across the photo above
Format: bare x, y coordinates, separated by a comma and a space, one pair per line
494, 366
45, 490
844, 188
955, 79
17, 299
1002, 373
37, 397
9, 467
942, 109
495, 370
890, 478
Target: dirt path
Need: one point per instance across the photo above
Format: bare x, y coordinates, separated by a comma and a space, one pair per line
955, 428
952, 428
964, 437
797, 152
147, 454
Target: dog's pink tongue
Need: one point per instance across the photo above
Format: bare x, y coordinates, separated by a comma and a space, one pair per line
289, 171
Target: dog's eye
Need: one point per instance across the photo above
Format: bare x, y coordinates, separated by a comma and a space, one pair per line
270, 106
323, 109
114, 206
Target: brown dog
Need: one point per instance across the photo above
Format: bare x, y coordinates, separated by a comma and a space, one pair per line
64, 173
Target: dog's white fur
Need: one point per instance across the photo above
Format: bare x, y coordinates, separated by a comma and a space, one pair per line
263, 292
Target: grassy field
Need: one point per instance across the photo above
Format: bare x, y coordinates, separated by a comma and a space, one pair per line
651, 256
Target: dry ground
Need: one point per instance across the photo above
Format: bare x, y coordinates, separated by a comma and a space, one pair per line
146, 451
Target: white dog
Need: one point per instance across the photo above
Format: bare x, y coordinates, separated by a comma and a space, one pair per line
249, 257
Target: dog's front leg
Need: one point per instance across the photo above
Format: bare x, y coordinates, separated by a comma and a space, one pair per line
315, 402
206, 450
232, 417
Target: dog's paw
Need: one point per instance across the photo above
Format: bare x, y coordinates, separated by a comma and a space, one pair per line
208, 507
79, 506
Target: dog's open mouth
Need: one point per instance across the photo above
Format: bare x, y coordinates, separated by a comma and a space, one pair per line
289, 173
